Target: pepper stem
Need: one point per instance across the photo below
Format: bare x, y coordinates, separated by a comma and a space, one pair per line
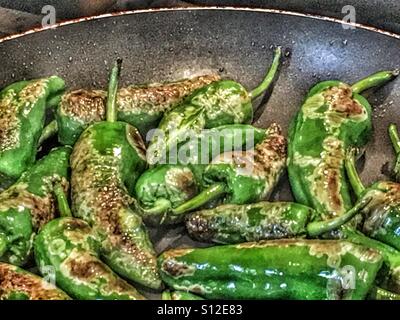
48, 131
352, 174
112, 91
3, 244
374, 80
269, 78
160, 206
394, 137
62, 201
212, 192
320, 227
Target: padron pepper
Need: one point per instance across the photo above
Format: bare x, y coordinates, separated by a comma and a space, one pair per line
141, 106
262, 221
277, 269
242, 177
219, 103
18, 284
165, 187
70, 249
105, 162
394, 137
333, 117
22, 114
29, 204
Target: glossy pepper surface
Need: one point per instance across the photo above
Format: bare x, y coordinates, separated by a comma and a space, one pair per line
18, 284
140, 106
72, 250
106, 161
262, 221
279, 269
29, 204
219, 103
333, 117
22, 115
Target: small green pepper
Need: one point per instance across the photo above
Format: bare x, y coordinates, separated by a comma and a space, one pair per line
140, 106
179, 295
105, 162
71, 248
278, 269
219, 103
29, 204
166, 186
22, 115
394, 137
18, 284
381, 218
333, 117
243, 176
262, 221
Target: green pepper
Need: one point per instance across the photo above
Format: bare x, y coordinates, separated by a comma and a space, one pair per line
29, 204
278, 269
219, 103
381, 218
166, 186
18, 284
71, 248
22, 115
394, 137
333, 117
243, 176
262, 221
141, 106
105, 162
179, 295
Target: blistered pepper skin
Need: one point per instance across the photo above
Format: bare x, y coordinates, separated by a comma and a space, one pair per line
71, 248
251, 175
331, 119
253, 222
22, 115
140, 106
106, 161
18, 284
29, 204
280, 269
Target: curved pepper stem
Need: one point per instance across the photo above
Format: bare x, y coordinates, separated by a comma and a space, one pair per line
50, 130
374, 80
269, 78
62, 201
3, 245
352, 174
211, 193
112, 91
394, 137
160, 206
320, 227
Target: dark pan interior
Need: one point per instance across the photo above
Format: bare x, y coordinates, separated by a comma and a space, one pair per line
166, 45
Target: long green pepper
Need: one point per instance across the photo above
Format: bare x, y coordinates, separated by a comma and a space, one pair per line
106, 161
29, 204
22, 115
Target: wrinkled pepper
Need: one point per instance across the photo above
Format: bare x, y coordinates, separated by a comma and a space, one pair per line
278, 269
22, 114
219, 103
140, 106
105, 162
167, 186
18, 284
262, 221
29, 204
179, 295
394, 137
72, 251
333, 117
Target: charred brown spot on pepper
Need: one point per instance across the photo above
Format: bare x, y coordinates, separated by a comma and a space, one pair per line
341, 100
176, 268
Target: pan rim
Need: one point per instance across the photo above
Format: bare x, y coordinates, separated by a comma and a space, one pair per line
201, 8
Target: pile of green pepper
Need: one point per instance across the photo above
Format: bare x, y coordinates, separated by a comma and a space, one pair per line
81, 211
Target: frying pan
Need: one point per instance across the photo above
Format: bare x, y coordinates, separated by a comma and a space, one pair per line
170, 44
